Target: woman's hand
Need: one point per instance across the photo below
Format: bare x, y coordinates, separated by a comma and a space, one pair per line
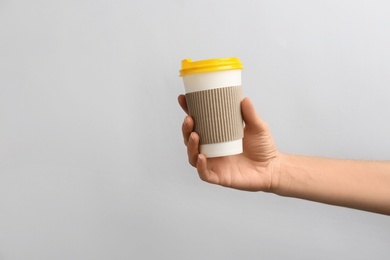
253, 170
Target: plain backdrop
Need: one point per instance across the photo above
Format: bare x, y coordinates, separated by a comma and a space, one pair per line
92, 162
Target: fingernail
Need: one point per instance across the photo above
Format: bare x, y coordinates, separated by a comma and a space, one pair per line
192, 137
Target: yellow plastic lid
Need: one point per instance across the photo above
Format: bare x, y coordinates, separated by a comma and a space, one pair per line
190, 67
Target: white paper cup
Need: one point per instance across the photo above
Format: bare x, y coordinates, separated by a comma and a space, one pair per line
214, 93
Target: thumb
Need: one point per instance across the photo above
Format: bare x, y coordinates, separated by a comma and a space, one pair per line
253, 123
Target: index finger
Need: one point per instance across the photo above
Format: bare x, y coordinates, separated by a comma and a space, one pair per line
183, 103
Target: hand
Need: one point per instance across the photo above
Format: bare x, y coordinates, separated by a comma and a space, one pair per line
252, 170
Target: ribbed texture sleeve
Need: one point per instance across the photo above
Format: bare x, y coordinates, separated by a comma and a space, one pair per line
217, 114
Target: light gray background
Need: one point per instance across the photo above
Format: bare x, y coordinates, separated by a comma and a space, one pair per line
92, 163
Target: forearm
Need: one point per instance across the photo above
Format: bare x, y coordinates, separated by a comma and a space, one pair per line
362, 185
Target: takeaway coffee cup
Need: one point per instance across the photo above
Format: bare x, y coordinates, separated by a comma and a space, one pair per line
214, 93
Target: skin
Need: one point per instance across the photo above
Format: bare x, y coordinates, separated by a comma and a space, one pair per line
363, 185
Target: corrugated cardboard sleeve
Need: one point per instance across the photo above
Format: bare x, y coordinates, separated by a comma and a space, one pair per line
217, 114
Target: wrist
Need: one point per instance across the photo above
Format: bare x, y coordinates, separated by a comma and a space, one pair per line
279, 176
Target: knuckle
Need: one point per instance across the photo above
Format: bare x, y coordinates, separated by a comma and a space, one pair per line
204, 177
